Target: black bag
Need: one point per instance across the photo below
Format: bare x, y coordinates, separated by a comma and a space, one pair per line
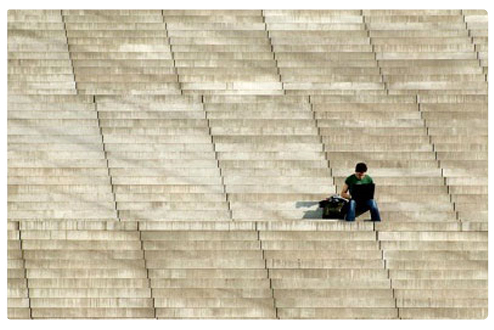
334, 207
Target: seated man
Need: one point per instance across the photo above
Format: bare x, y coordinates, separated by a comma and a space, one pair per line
359, 178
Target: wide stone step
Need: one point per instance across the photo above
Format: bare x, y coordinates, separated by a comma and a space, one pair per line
437, 264
172, 206
53, 244
178, 215
83, 254
434, 255
97, 312
338, 313
173, 180
294, 254
443, 313
215, 303
207, 273
438, 245
442, 303
216, 313
326, 264
111, 287
210, 283
91, 303
308, 302
184, 255
439, 284
217, 293
80, 235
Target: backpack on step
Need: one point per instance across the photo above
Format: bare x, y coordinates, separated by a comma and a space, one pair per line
334, 207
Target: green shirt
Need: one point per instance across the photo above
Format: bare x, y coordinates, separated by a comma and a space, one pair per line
352, 181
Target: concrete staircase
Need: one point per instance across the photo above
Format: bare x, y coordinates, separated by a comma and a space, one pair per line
168, 163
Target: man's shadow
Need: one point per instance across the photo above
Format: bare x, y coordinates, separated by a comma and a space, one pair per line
313, 212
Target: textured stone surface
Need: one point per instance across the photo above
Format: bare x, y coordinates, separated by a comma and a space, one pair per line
168, 163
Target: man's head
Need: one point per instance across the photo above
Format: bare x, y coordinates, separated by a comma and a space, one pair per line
360, 170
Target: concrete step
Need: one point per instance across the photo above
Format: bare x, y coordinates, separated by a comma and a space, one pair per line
216, 313
440, 284
319, 245
327, 273
56, 172
58, 244
444, 245
91, 303
307, 302
17, 312
148, 18
333, 283
338, 313
103, 313
273, 163
443, 313
379, 118
179, 215
207, 273
168, 189
210, 283
434, 236
280, 189
294, 254
90, 292
185, 180
162, 155
111, 287
218, 293
276, 180
435, 255
287, 173
78, 225
437, 265
258, 114
80, 235
270, 156
438, 274
195, 235
171, 197
81, 254
44, 189
109, 12
177, 302
161, 173
154, 247
62, 206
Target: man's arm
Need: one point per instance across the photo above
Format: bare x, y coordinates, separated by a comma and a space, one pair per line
344, 192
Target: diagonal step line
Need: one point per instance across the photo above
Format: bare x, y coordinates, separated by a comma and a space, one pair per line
222, 178
147, 269
268, 273
25, 270
321, 141
172, 53
68, 51
434, 150
268, 35
112, 187
385, 265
